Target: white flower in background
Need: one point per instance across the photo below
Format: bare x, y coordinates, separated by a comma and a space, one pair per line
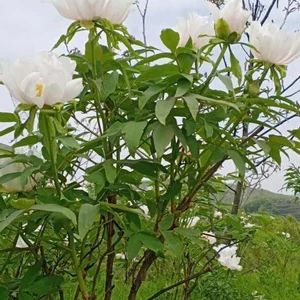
192, 222
145, 209
209, 237
249, 225
273, 45
192, 27
116, 11
286, 235
228, 257
233, 13
120, 256
44, 80
218, 214
7, 166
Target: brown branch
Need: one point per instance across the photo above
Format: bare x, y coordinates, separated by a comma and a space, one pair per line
15, 249
268, 12
150, 257
185, 203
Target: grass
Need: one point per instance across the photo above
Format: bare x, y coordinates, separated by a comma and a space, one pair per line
271, 269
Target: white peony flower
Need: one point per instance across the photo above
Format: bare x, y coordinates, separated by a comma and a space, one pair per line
120, 256
273, 45
233, 13
286, 235
249, 225
44, 80
228, 257
192, 222
116, 11
194, 26
7, 166
218, 214
209, 237
145, 209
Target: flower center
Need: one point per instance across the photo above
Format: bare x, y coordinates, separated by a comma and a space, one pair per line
39, 90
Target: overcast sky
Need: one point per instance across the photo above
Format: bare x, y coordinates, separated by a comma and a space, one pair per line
28, 27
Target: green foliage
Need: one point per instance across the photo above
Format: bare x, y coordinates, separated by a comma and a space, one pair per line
130, 169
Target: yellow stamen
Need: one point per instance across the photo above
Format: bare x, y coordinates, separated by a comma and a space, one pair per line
39, 90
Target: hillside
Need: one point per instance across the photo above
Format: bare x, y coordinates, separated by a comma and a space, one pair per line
263, 200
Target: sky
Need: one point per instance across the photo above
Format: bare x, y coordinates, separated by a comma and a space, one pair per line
29, 26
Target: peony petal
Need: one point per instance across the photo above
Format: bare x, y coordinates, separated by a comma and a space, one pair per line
73, 89
193, 27
53, 93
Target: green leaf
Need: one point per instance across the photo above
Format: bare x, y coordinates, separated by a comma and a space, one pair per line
32, 273
174, 242
98, 179
155, 57
133, 246
55, 208
149, 93
192, 104
186, 61
8, 117
30, 121
183, 87
264, 146
46, 285
217, 102
133, 132
120, 208
8, 177
281, 140
226, 81
27, 141
22, 203
158, 71
24, 296
173, 190
235, 67
162, 136
6, 149
238, 161
110, 171
86, 218
170, 38
7, 130
6, 222
4, 293
151, 242
163, 108
166, 223
114, 129
208, 129
69, 142
147, 168
109, 85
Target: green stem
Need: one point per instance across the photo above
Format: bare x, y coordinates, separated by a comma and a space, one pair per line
81, 282
263, 75
99, 110
213, 71
52, 152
